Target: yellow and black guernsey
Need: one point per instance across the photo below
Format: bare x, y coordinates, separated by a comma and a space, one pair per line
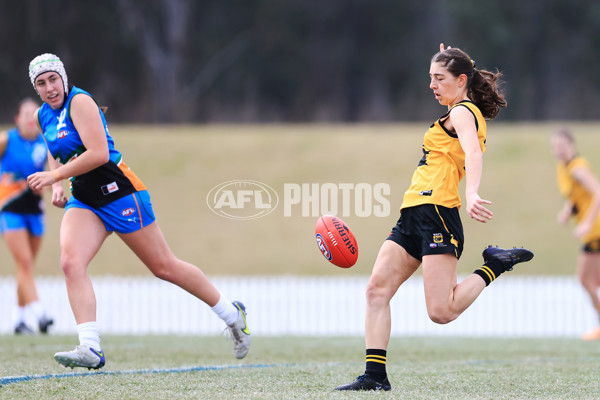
436, 179
577, 194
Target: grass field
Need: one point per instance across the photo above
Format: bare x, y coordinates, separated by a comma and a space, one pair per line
305, 368
181, 164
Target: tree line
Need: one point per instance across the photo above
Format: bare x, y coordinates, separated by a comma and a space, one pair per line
188, 61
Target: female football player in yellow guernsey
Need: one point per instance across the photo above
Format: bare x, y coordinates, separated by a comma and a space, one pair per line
429, 231
581, 190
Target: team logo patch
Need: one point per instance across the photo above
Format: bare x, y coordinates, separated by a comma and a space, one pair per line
127, 212
110, 188
61, 119
438, 241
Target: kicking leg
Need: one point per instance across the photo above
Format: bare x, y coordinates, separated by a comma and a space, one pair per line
445, 299
150, 246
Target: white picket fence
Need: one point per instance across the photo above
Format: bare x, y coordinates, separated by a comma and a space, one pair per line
316, 306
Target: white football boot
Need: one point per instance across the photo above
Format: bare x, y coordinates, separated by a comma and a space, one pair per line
82, 356
239, 332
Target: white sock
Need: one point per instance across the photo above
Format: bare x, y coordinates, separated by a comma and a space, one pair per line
226, 310
21, 315
36, 309
89, 335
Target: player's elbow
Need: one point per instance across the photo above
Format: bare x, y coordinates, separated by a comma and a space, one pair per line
99, 157
103, 157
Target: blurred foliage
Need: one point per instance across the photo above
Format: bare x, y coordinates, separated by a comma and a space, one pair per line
292, 61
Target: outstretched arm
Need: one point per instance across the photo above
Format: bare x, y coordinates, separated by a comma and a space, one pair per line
464, 124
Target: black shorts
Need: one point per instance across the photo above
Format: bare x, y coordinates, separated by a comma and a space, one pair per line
429, 229
592, 246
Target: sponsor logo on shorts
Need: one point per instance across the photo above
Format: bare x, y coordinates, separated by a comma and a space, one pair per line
127, 212
62, 134
323, 247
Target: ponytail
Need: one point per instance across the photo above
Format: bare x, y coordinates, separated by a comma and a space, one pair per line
483, 87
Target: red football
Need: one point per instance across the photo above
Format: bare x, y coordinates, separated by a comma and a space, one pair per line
336, 241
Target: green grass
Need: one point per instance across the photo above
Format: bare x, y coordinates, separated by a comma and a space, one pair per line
181, 164
309, 368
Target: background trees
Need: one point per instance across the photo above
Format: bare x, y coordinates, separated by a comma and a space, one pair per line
291, 61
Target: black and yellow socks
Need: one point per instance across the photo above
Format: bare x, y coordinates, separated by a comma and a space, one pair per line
488, 272
376, 359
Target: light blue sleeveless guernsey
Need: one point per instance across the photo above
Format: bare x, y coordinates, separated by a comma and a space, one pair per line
21, 158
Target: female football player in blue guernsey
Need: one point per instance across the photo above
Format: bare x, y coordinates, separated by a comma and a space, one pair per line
429, 231
106, 196
23, 152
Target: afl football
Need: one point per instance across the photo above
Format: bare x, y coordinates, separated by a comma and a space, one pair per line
336, 241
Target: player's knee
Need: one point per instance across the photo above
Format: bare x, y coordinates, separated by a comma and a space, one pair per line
441, 315
376, 294
25, 266
70, 265
163, 269
162, 273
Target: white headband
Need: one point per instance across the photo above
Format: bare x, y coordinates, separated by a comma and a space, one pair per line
45, 63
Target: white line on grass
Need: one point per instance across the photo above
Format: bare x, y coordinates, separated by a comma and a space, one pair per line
15, 379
